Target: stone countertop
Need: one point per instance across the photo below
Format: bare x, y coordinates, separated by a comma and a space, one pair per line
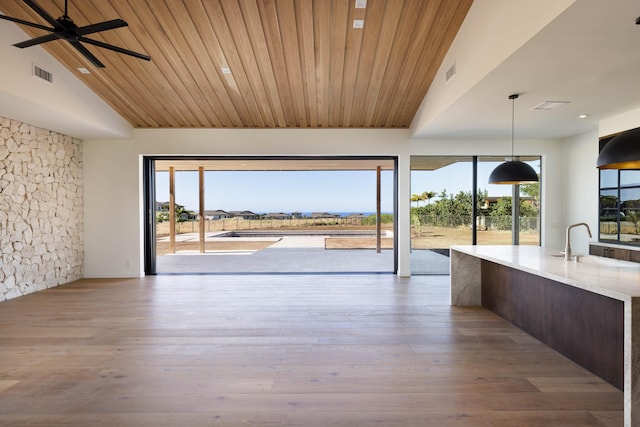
616, 279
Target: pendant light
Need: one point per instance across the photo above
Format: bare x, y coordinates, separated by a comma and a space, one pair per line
621, 152
513, 171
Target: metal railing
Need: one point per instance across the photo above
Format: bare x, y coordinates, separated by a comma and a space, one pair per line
483, 222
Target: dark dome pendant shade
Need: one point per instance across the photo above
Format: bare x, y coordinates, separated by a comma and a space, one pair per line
513, 171
621, 152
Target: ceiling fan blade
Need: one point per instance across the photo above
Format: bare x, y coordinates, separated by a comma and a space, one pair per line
37, 40
84, 51
40, 11
115, 48
101, 26
23, 22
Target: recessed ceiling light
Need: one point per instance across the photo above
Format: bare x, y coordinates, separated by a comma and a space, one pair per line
225, 70
83, 70
583, 116
358, 23
361, 4
550, 105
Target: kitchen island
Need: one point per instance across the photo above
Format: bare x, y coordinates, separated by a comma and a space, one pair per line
585, 310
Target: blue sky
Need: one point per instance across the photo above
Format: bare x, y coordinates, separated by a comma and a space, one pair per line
313, 191
457, 177
275, 191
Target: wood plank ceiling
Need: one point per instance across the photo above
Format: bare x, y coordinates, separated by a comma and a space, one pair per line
292, 63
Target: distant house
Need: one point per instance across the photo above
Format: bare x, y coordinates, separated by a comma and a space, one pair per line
324, 215
355, 218
216, 214
491, 201
484, 220
296, 214
182, 214
244, 214
277, 215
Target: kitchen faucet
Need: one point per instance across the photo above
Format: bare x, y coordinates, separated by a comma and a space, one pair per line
567, 247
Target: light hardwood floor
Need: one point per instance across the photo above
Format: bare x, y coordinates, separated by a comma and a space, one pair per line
297, 350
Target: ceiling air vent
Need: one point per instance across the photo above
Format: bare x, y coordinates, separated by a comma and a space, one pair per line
450, 73
550, 105
41, 73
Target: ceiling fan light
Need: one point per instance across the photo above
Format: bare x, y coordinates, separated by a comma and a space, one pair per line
621, 152
513, 172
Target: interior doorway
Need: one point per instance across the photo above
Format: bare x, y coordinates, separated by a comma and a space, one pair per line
250, 215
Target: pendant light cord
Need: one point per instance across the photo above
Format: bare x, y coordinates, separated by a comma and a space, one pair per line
513, 119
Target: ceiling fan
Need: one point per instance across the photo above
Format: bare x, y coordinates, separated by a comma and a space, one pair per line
65, 29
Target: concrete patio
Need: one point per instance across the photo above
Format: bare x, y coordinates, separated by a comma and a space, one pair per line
294, 254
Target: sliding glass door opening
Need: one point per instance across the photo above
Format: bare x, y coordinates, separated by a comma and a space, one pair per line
272, 215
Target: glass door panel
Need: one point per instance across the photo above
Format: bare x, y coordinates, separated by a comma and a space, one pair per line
441, 210
495, 215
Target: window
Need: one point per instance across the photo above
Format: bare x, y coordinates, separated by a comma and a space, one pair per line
495, 223
619, 209
442, 213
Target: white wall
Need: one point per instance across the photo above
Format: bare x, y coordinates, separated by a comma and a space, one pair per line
488, 23
580, 178
66, 106
112, 209
113, 179
113, 194
619, 123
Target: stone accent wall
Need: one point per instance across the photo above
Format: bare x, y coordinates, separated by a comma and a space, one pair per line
41, 209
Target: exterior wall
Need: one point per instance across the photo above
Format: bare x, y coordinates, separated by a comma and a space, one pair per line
41, 209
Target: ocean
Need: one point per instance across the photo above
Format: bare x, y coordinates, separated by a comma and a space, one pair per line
342, 214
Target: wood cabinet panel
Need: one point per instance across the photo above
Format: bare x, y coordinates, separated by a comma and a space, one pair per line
615, 253
585, 327
622, 254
